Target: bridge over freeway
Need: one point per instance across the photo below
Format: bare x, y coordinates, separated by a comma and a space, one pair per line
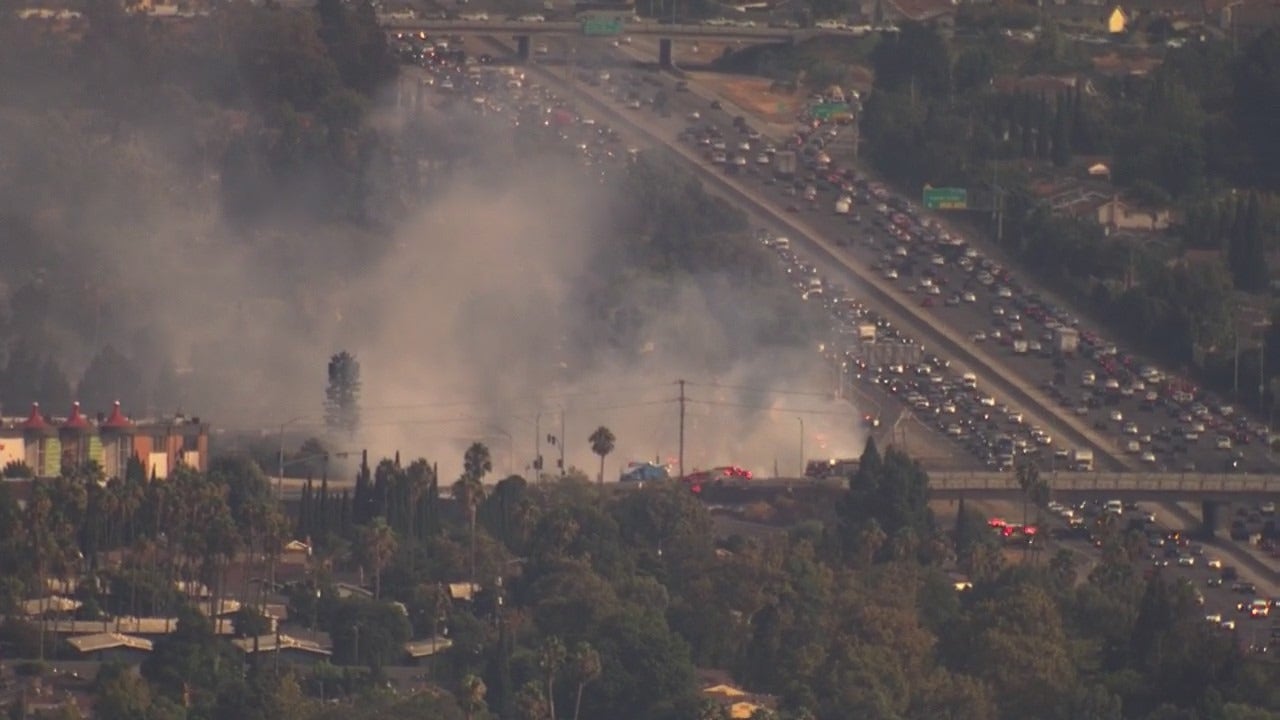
1152, 485
523, 30
1209, 490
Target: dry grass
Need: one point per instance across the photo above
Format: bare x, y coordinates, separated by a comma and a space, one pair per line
756, 95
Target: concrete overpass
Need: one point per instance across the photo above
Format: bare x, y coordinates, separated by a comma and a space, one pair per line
1124, 485
522, 31
1210, 490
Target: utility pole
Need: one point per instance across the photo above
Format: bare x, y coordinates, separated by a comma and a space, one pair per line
562, 468
1235, 378
801, 446
997, 204
682, 400
1262, 372
537, 446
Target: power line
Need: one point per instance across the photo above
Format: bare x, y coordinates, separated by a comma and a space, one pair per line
459, 402
484, 419
759, 389
765, 408
683, 400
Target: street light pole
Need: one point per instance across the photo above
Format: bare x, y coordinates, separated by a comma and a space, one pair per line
280, 458
801, 420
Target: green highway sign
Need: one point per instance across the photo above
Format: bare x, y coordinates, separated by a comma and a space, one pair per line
827, 111
596, 26
945, 198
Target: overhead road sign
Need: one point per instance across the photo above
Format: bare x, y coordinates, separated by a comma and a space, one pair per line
830, 111
600, 25
945, 198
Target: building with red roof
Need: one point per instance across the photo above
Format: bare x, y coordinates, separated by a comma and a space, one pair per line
50, 445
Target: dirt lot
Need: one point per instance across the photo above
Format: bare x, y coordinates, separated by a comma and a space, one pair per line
754, 95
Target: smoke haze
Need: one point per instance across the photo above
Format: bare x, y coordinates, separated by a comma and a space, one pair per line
468, 316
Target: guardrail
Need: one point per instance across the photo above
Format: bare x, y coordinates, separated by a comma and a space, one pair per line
1154, 483
1100, 481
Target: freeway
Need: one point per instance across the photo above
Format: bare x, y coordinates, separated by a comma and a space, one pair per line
517, 28
991, 372
1116, 400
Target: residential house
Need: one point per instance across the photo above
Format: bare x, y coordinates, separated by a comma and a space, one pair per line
1118, 215
51, 605
1047, 85
417, 650
295, 552
347, 590
290, 649
1117, 21
739, 703
463, 591
111, 647
130, 626
47, 444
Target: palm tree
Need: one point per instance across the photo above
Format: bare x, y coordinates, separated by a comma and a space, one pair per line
602, 441
586, 668
469, 491
377, 545
551, 657
530, 703
477, 462
471, 696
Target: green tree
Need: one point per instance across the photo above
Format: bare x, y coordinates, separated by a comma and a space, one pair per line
469, 491
471, 696
585, 664
342, 395
250, 622
915, 59
368, 632
551, 659
891, 491
120, 693
1256, 91
376, 547
602, 442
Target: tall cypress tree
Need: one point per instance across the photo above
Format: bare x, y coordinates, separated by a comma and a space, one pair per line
323, 510
345, 515
303, 525
1061, 152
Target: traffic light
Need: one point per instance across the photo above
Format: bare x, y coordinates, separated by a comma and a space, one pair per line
537, 464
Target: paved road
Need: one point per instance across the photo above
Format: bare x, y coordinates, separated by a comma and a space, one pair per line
831, 261
1105, 393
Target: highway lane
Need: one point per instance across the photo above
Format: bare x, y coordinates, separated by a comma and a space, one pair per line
991, 373
971, 317
1098, 398
1101, 391
557, 76
1105, 392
